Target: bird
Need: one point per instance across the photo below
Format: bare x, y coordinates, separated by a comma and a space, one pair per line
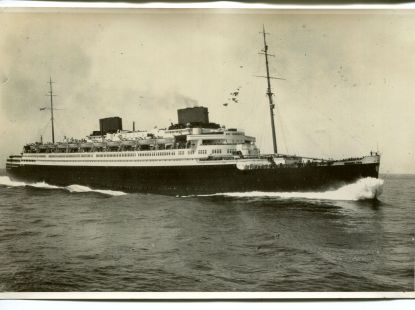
234, 97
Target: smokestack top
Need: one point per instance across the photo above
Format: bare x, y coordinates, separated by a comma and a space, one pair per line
193, 115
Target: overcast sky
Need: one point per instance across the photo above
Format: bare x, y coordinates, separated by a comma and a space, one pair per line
349, 84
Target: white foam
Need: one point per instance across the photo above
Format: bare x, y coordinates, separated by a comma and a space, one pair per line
43, 185
83, 189
5, 180
363, 189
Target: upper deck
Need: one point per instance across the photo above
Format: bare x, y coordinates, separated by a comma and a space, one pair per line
197, 141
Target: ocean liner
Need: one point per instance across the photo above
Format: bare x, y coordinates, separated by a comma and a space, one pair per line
193, 156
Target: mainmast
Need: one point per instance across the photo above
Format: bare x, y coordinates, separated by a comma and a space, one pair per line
51, 108
269, 92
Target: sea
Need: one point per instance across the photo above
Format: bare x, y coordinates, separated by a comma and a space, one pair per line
78, 239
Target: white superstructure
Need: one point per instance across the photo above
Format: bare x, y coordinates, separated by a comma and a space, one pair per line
159, 147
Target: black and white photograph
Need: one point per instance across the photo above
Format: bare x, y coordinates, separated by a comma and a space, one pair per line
207, 150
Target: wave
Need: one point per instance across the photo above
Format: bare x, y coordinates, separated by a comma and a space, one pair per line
363, 189
83, 189
6, 181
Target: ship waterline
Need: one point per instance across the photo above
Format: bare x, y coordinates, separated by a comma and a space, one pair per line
189, 176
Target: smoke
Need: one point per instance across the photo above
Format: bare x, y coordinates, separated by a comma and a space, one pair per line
170, 100
185, 101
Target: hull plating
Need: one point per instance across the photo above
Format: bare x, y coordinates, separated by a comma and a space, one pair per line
195, 179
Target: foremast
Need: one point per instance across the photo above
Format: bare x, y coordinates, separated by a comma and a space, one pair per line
51, 95
51, 109
269, 92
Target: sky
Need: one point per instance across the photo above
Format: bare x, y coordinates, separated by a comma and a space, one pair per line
347, 89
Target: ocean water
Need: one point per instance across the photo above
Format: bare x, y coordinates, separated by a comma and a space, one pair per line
78, 239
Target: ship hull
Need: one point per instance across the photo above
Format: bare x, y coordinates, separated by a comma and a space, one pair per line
191, 180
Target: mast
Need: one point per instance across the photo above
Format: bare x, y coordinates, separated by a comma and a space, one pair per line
269, 92
51, 108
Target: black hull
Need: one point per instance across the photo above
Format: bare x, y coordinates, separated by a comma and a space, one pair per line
197, 179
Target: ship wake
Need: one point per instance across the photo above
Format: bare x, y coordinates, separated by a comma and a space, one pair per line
363, 189
5, 181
